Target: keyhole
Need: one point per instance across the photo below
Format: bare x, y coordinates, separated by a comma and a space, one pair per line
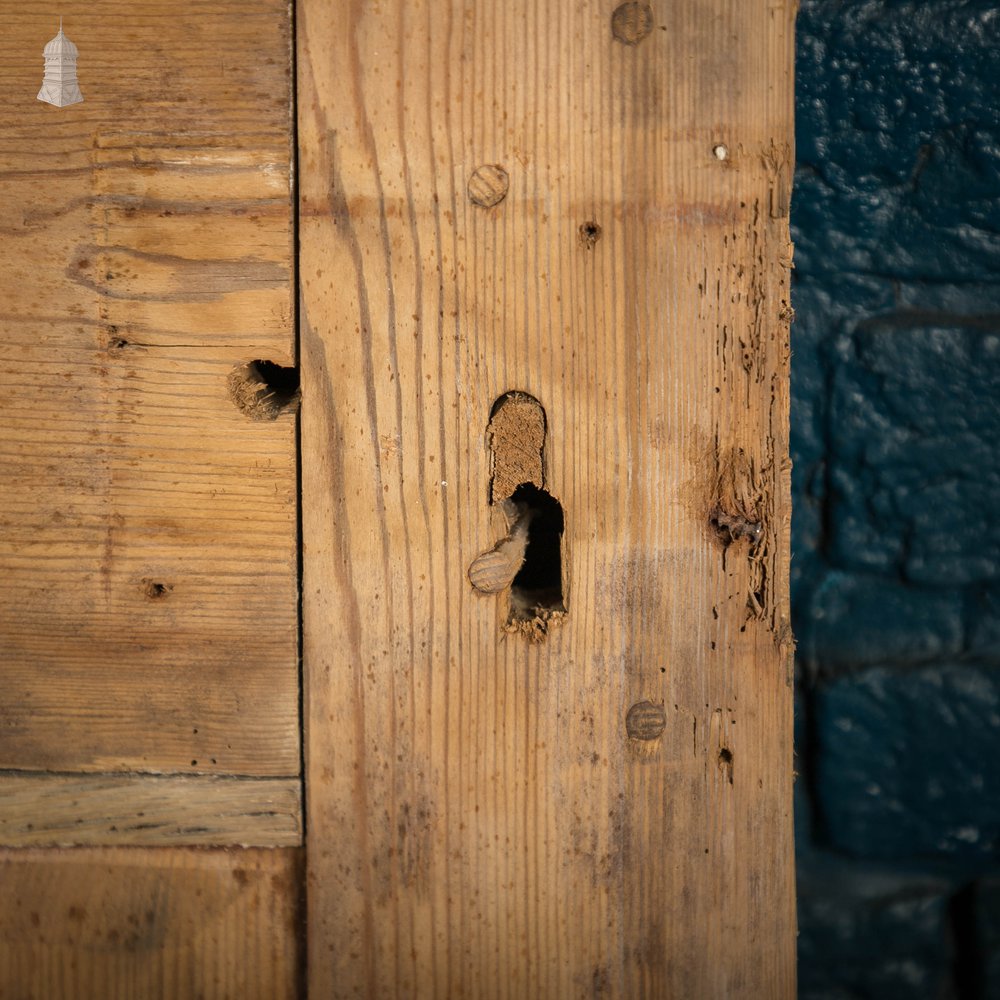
526, 564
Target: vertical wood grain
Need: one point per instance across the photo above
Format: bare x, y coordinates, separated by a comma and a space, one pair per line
483, 819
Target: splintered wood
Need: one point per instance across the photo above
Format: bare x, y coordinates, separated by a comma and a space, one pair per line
529, 197
257, 396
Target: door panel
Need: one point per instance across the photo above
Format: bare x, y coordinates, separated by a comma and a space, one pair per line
148, 568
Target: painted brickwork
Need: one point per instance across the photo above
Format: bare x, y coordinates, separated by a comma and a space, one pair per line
896, 442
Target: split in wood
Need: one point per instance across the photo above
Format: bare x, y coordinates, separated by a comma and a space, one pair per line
261, 390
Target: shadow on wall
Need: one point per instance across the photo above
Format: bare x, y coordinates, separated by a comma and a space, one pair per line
896, 528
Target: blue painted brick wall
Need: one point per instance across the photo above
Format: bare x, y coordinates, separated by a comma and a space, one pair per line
896, 527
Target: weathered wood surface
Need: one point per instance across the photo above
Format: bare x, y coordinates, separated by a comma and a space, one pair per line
138, 924
606, 812
40, 810
148, 593
148, 557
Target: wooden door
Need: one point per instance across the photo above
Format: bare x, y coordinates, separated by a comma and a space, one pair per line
148, 585
544, 259
530, 261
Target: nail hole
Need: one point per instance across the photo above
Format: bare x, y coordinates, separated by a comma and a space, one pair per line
261, 390
115, 341
156, 591
590, 233
721, 151
726, 763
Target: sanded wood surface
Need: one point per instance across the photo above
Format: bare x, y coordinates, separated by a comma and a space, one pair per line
589, 206
41, 810
138, 924
148, 557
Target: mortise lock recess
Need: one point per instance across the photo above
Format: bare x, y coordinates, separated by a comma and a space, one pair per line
526, 564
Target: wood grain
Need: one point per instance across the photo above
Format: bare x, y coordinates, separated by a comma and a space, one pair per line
482, 822
148, 566
46, 810
131, 923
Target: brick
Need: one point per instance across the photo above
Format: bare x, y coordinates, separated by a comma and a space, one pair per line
855, 620
984, 628
906, 763
986, 919
898, 133
867, 933
914, 470
973, 298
